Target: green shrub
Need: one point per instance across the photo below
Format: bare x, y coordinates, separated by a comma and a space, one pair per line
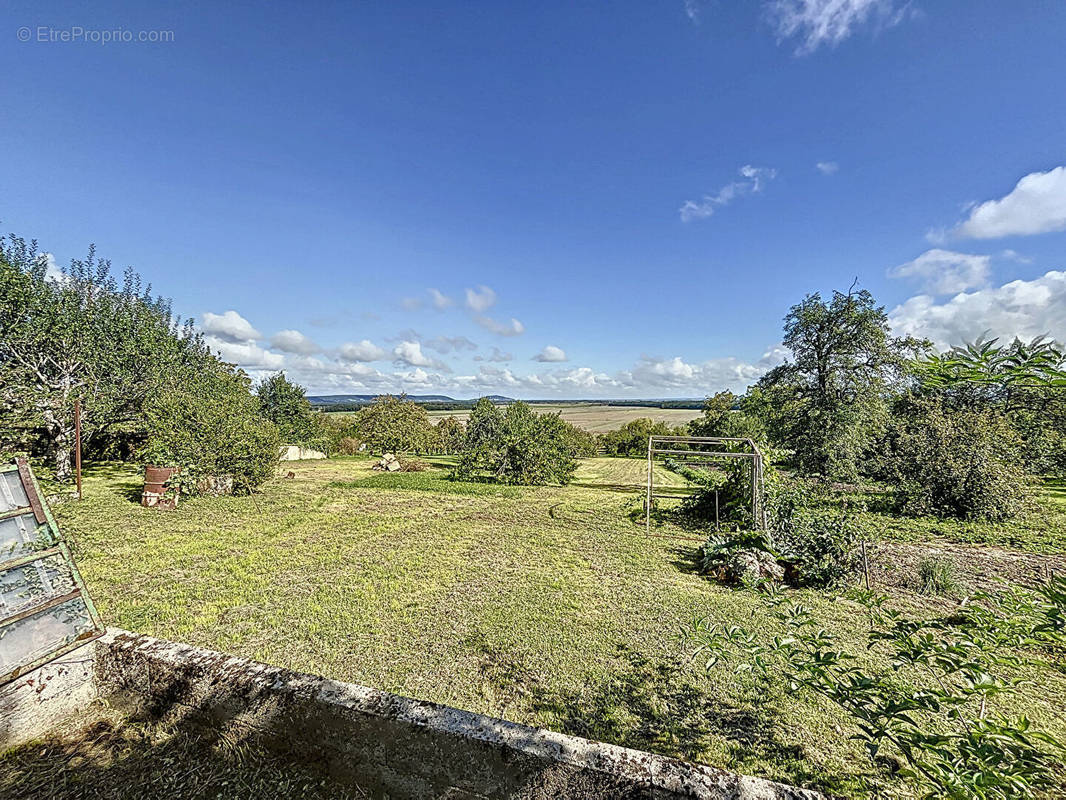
207, 421
284, 403
632, 438
394, 424
945, 462
517, 446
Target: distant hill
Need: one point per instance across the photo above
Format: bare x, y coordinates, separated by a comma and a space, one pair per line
333, 399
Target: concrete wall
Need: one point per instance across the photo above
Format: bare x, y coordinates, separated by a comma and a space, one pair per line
290, 452
391, 745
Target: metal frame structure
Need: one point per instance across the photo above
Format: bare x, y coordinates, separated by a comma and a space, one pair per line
758, 510
47, 544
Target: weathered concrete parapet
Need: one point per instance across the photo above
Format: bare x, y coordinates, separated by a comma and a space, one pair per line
390, 744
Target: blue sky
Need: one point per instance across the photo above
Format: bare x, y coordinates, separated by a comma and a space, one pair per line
612, 199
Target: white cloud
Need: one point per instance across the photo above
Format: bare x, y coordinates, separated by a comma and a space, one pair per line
945, 272
550, 354
411, 303
245, 354
827, 167
229, 326
828, 22
1037, 204
52, 271
293, 342
755, 178
480, 299
497, 355
440, 300
1019, 308
360, 351
513, 328
410, 353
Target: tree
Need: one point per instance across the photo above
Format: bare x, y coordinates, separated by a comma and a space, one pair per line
394, 424
450, 435
284, 403
632, 438
953, 462
83, 336
518, 446
725, 414
829, 399
206, 421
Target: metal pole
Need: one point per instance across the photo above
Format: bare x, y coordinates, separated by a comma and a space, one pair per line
77, 443
647, 502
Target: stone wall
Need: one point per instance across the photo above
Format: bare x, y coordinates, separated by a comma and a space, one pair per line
391, 745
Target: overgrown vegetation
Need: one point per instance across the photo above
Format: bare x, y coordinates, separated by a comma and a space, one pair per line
934, 706
520, 446
147, 385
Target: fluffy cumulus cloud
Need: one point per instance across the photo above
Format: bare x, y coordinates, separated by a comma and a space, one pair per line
813, 23
1019, 308
410, 354
753, 179
481, 299
550, 354
945, 272
291, 341
827, 167
230, 327
1037, 204
365, 350
245, 354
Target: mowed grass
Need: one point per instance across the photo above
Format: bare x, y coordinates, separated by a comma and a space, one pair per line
544, 605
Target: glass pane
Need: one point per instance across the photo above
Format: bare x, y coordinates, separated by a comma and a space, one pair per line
34, 583
12, 493
20, 536
39, 635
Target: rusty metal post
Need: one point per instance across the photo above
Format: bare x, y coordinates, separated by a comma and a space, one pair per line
77, 443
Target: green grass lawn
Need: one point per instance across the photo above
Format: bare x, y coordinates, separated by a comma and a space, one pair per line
545, 605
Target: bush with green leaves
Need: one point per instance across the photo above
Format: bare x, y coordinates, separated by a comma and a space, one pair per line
517, 446
813, 539
449, 435
954, 463
394, 424
285, 404
632, 438
208, 423
930, 698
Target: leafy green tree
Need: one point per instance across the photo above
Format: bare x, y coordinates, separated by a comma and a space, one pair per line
518, 446
206, 421
830, 399
85, 336
953, 462
450, 435
285, 404
724, 415
394, 424
631, 439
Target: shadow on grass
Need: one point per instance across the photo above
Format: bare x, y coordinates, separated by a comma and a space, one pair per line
651, 705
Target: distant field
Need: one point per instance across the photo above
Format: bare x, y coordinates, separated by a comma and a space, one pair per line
599, 418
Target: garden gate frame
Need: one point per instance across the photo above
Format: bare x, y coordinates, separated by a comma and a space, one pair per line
655, 447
